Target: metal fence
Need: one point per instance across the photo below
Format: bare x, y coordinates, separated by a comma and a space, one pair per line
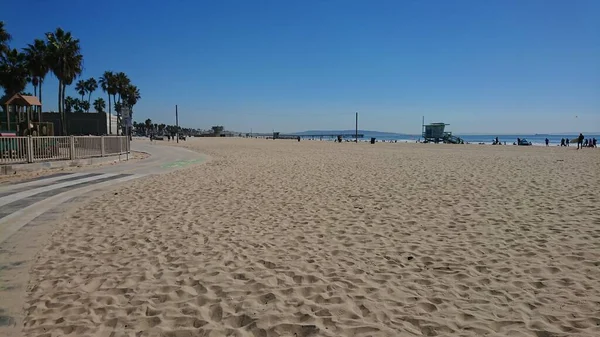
16, 150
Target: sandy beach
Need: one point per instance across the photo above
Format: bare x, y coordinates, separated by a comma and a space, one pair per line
285, 238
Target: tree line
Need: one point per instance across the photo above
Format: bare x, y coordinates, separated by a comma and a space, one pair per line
148, 127
59, 54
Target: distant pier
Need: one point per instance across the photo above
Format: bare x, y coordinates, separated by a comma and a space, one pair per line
277, 135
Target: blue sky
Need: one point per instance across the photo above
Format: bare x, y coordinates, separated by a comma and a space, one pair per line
511, 66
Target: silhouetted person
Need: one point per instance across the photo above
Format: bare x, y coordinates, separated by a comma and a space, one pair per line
568, 141
594, 142
547, 141
562, 142
580, 141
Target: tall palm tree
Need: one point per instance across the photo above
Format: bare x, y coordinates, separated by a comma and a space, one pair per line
36, 56
99, 104
121, 83
131, 95
13, 72
81, 89
107, 83
66, 62
5, 37
90, 86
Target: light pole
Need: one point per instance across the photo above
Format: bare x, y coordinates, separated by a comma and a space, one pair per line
356, 129
176, 124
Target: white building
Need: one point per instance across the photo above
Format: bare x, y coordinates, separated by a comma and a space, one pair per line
111, 129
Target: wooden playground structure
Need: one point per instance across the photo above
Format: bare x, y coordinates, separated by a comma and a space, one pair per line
27, 111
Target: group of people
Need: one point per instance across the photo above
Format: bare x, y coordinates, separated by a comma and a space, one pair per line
581, 142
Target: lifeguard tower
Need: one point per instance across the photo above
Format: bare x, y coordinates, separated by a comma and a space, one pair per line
436, 132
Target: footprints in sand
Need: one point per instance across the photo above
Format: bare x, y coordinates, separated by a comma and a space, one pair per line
326, 241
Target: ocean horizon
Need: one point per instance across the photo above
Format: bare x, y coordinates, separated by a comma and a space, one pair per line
535, 139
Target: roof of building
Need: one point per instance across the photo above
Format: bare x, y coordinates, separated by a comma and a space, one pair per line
22, 100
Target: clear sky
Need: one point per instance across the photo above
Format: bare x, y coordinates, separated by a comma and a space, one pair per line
494, 66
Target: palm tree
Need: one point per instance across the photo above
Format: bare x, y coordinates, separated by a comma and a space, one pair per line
121, 83
65, 61
148, 123
85, 106
131, 95
70, 104
77, 105
36, 56
13, 72
90, 86
107, 83
117, 109
5, 37
99, 104
81, 88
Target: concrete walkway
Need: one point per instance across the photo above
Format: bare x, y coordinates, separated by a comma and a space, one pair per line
22, 202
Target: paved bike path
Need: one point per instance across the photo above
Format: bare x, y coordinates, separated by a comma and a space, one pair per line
22, 202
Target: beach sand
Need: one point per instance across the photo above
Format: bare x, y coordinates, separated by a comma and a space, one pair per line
280, 238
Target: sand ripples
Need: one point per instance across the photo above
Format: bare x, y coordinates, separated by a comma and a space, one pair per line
318, 239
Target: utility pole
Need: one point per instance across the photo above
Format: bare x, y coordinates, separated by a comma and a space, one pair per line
356, 130
176, 124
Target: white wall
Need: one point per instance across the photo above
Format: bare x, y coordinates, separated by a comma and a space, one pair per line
112, 119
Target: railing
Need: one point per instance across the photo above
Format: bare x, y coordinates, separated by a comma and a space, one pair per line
16, 150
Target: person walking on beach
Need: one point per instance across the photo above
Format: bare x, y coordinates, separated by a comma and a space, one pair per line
547, 141
580, 141
594, 142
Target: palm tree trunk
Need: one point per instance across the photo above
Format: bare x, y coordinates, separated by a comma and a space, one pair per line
41, 110
35, 90
60, 112
109, 117
65, 128
118, 115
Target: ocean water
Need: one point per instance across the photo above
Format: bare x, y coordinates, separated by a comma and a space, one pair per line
488, 139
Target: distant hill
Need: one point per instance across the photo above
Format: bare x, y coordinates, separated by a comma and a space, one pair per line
369, 132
